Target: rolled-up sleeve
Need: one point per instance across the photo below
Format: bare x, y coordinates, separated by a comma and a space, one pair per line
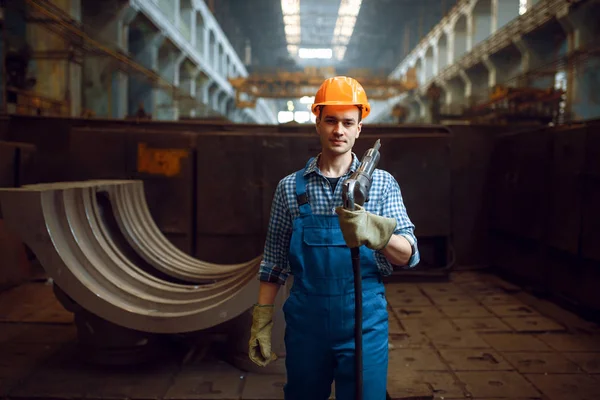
393, 207
274, 266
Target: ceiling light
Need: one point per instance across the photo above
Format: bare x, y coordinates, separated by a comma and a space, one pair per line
344, 26
291, 22
522, 7
315, 53
285, 116
289, 7
301, 116
307, 100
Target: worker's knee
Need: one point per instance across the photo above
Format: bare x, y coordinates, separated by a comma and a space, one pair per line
307, 380
374, 383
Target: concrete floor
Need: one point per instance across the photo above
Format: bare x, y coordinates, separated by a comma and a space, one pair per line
476, 337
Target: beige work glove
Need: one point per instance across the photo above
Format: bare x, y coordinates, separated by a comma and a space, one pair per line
260, 335
360, 227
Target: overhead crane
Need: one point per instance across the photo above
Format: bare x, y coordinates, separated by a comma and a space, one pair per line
281, 84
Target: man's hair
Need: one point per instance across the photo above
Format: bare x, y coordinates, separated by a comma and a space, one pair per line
320, 108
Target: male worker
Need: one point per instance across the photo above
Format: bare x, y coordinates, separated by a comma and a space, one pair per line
309, 236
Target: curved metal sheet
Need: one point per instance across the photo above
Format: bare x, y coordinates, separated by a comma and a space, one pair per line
62, 224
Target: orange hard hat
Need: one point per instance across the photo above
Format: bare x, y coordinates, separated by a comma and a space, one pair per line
340, 91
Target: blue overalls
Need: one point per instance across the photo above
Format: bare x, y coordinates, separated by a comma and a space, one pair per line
319, 312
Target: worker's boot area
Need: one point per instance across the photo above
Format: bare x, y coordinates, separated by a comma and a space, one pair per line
475, 337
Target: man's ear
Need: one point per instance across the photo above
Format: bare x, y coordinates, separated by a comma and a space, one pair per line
359, 129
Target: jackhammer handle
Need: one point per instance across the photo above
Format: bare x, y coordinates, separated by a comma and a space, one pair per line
358, 317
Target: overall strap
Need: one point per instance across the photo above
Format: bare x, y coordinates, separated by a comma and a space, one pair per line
301, 195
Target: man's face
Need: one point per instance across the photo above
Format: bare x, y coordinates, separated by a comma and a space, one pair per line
338, 128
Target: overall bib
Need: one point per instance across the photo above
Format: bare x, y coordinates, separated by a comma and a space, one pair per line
319, 312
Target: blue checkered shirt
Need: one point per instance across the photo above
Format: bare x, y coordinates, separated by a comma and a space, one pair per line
385, 198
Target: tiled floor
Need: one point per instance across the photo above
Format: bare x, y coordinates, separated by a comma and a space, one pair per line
476, 337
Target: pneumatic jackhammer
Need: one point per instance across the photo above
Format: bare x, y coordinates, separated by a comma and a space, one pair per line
355, 190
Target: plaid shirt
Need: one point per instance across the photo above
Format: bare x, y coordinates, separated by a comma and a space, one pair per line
385, 199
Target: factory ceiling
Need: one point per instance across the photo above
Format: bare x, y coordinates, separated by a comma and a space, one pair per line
352, 34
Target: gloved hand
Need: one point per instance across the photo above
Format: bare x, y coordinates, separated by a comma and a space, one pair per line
260, 335
360, 227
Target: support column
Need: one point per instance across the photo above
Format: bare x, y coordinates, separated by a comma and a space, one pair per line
581, 79
105, 86
170, 60
442, 53
460, 39
206, 91
15, 39
187, 20
424, 114
535, 53
477, 78
209, 43
468, 85
503, 67
55, 61
201, 33
451, 57
216, 52
455, 95
189, 75
428, 63
214, 100
144, 49
75, 67
223, 104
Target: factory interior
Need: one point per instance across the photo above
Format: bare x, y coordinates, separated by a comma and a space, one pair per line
488, 117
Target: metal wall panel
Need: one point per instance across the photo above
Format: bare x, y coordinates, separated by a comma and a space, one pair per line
4, 130
228, 249
520, 183
471, 149
95, 153
563, 276
533, 178
228, 185
7, 164
590, 238
564, 217
16, 164
166, 162
422, 167
502, 184
51, 139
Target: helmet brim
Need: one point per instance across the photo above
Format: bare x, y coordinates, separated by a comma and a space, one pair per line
366, 108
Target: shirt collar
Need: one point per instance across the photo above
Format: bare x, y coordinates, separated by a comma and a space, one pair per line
312, 166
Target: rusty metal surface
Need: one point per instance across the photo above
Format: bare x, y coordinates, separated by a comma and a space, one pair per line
4, 130
7, 165
564, 217
104, 149
166, 163
544, 226
51, 139
590, 236
64, 227
16, 163
471, 158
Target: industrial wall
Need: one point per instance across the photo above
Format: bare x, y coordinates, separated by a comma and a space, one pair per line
545, 220
478, 195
